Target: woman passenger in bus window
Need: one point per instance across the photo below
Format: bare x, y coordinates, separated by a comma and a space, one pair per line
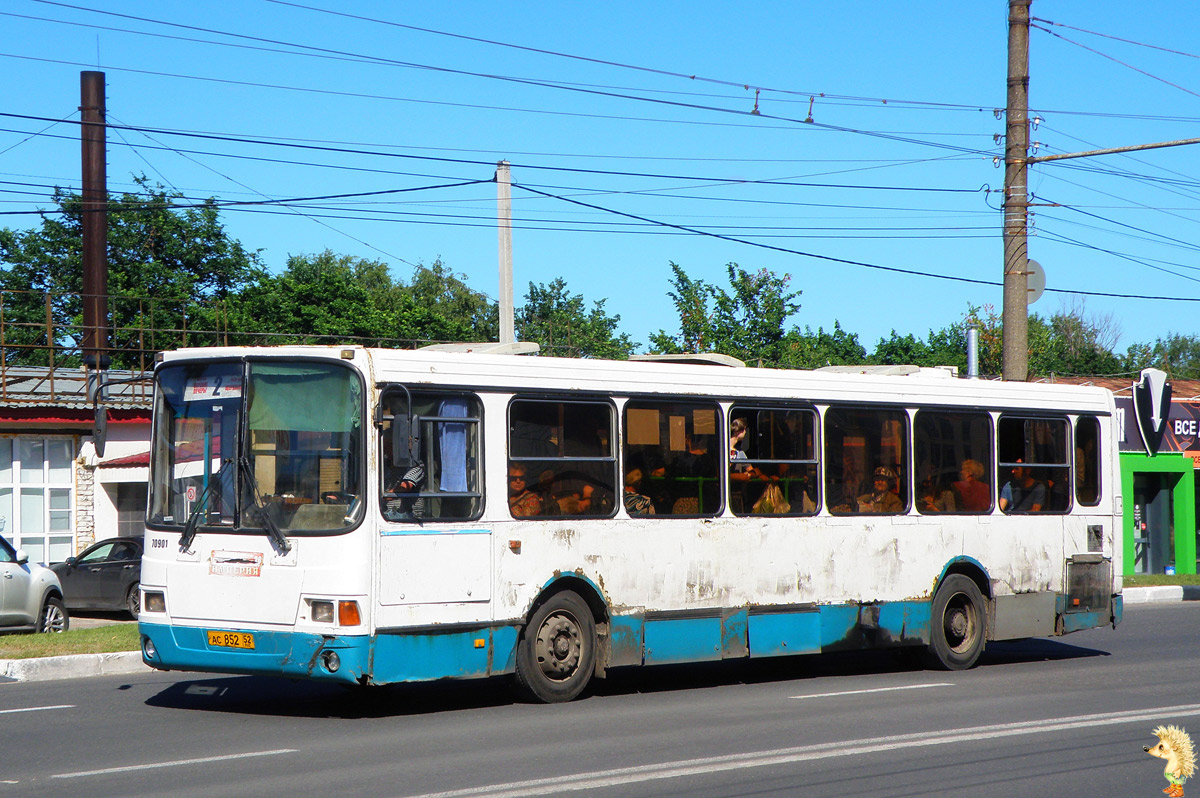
521, 501
974, 495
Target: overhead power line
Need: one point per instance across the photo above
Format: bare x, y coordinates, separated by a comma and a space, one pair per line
475, 162
847, 261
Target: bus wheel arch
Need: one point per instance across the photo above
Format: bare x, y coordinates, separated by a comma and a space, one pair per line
558, 648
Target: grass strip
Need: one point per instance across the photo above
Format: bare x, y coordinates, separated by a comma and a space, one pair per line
96, 640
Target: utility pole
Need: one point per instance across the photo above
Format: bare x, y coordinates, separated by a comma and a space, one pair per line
93, 138
504, 224
1015, 314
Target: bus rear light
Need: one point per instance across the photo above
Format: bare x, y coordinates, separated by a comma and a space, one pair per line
155, 601
348, 613
321, 611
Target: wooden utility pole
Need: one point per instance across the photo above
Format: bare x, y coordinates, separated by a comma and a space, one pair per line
504, 224
95, 220
93, 138
1015, 314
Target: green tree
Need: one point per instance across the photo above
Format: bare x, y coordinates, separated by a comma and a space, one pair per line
1178, 354
812, 350
440, 306
317, 298
747, 321
558, 321
164, 261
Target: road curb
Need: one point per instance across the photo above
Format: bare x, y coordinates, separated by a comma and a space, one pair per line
1161, 593
72, 666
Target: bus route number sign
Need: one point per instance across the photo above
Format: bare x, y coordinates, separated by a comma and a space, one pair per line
200, 389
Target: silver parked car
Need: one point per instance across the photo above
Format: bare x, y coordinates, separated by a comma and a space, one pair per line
30, 595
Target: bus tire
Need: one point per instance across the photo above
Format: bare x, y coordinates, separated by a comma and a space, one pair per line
557, 650
959, 624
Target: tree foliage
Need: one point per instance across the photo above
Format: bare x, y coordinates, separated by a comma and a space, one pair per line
747, 321
164, 259
559, 322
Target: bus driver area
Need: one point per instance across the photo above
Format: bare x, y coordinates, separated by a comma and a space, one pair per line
471, 515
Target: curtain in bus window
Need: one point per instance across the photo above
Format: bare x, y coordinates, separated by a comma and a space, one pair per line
303, 398
453, 444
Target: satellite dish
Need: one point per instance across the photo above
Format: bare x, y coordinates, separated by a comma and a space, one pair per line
1035, 282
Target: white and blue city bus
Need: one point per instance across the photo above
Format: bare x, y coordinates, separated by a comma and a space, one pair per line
375, 516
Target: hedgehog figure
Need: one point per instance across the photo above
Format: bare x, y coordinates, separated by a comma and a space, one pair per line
1175, 746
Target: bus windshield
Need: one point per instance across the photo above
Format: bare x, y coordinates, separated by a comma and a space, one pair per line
255, 446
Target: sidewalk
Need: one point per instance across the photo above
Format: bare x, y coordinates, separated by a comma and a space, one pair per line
77, 666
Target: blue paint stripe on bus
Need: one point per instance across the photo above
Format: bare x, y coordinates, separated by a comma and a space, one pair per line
452, 655
274, 653
416, 530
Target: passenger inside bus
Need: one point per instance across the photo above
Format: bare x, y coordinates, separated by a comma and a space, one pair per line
936, 498
883, 497
1022, 493
973, 494
689, 471
636, 503
409, 503
522, 502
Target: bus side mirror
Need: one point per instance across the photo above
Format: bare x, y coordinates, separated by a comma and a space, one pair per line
405, 445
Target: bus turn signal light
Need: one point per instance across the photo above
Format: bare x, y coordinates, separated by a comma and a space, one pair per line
348, 613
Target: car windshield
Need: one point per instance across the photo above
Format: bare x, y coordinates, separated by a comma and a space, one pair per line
263, 446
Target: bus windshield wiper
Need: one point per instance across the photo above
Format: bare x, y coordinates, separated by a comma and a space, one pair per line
273, 531
193, 522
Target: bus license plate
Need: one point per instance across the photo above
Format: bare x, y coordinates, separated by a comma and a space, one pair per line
231, 639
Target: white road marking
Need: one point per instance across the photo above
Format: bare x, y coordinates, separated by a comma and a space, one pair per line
875, 690
783, 756
174, 763
36, 709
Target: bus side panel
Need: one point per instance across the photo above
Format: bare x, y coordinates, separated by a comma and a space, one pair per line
778, 633
669, 640
451, 654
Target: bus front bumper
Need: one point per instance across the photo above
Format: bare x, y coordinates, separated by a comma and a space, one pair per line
336, 658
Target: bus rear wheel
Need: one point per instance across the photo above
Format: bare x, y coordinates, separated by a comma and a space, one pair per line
959, 624
557, 651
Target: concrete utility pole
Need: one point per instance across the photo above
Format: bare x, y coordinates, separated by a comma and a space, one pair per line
1015, 314
504, 224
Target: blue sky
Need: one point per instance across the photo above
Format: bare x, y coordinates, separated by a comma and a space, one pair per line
896, 170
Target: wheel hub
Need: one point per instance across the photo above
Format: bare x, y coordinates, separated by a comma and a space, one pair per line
559, 646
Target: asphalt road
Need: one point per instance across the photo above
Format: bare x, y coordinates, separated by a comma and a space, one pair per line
1036, 718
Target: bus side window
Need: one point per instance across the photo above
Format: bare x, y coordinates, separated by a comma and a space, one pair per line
1087, 460
1033, 467
954, 461
430, 456
866, 461
772, 461
561, 461
674, 448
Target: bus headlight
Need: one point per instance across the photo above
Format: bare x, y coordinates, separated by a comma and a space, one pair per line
321, 611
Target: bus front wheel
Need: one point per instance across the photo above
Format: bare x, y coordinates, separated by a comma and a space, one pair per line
959, 624
557, 651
